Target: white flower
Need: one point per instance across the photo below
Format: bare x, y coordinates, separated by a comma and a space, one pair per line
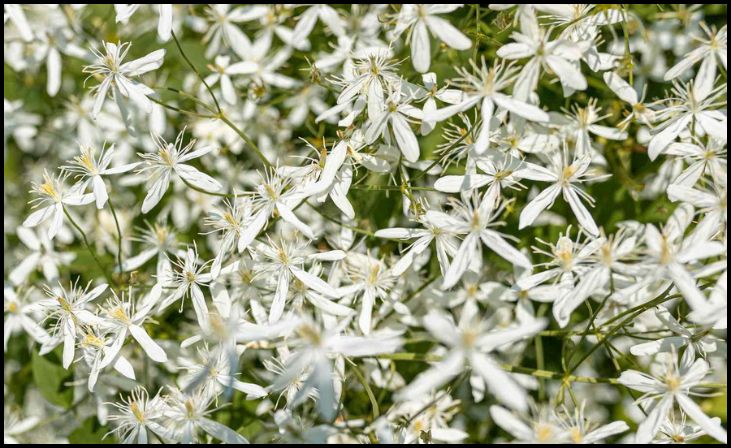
214, 374
373, 72
117, 76
419, 19
53, 197
42, 256
560, 56
123, 317
20, 316
168, 160
157, 239
397, 114
484, 88
138, 414
640, 111
187, 280
370, 279
312, 349
89, 171
94, 344
286, 262
672, 384
469, 343
275, 194
444, 237
689, 110
695, 340
564, 176
475, 219
540, 427
188, 415
580, 429
67, 310
712, 52
668, 252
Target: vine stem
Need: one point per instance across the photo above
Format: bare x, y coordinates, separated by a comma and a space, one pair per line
119, 234
538, 373
91, 250
220, 113
364, 382
182, 53
246, 139
211, 193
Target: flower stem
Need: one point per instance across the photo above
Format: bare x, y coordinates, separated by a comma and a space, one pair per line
88, 246
119, 234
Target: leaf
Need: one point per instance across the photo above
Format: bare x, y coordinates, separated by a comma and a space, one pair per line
49, 377
90, 432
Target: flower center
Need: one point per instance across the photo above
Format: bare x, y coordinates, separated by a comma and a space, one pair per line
136, 411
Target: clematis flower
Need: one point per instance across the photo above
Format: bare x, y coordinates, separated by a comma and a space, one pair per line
117, 76
168, 161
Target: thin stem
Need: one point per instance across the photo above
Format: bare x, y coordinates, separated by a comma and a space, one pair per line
119, 234
221, 115
180, 49
212, 193
176, 109
246, 139
662, 298
341, 224
537, 373
540, 362
590, 325
389, 188
627, 51
88, 246
362, 379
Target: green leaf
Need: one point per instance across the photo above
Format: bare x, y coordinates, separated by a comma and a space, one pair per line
90, 432
49, 376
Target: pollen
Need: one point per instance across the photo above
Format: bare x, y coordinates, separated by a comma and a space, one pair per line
576, 435
91, 340
136, 411
119, 314
672, 382
544, 432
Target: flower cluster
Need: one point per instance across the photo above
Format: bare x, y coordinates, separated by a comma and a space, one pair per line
365, 223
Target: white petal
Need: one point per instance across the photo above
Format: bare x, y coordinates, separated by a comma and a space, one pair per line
221, 431
165, 24
420, 47
455, 184
53, 68
651, 425
154, 351
711, 427
494, 241
436, 376
280, 298
541, 202
448, 34
569, 75
197, 178
621, 88
581, 213
523, 109
289, 216
152, 61
124, 367
405, 138
499, 382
